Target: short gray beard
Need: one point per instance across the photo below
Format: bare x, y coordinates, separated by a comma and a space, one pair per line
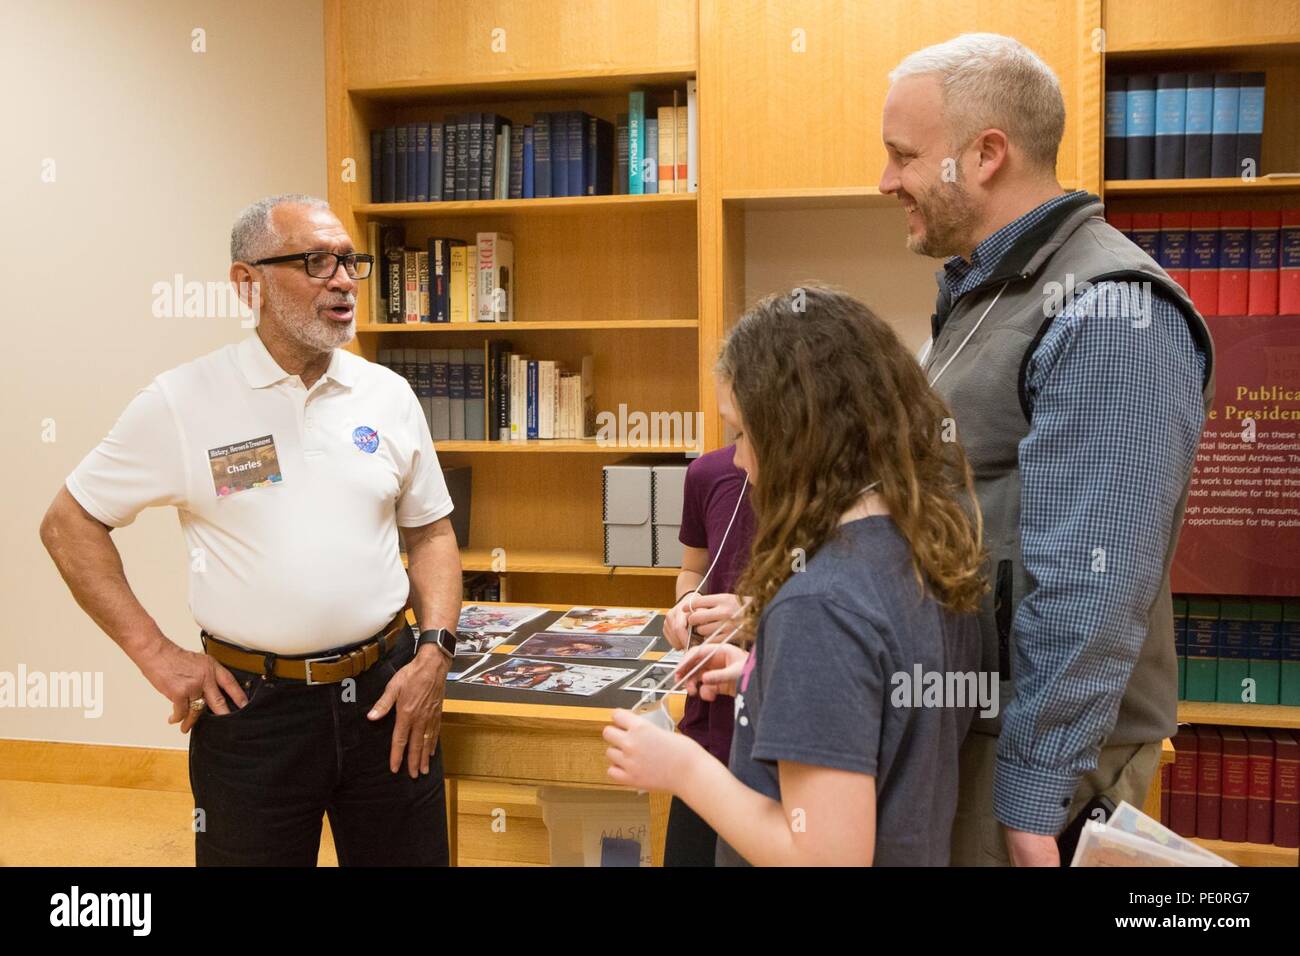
948, 222
305, 326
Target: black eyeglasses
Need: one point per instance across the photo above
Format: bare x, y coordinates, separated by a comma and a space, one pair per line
323, 265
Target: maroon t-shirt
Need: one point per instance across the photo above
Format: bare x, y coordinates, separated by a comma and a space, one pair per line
713, 486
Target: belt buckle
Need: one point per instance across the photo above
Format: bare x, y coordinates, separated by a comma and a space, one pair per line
328, 659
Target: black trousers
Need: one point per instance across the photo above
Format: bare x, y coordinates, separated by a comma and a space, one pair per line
264, 776
690, 841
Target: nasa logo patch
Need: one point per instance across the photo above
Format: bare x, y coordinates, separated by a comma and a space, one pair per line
365, 438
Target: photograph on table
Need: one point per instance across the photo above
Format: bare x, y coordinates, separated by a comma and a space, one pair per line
492, 619
462, 664
657, 679
619, 646
555, 677
603, 620
479, 642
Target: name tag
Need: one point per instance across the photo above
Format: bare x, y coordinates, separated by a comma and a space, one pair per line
244, 465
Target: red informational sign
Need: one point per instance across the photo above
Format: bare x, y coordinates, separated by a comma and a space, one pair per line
1241, 530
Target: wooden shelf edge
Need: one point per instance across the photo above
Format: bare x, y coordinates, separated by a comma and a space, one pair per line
1239, 715
424, 210
1149, 187
595, 325
545, 81
1251, 854
531, 561
1264, 44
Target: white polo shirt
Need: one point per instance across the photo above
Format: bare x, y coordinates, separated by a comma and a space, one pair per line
289, 498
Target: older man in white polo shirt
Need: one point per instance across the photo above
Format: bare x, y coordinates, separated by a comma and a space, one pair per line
292, 464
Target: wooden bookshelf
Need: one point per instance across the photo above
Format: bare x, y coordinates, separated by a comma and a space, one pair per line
615, 277
1252, 854
1239, 715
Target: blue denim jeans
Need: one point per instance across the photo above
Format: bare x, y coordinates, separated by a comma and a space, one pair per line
265, 775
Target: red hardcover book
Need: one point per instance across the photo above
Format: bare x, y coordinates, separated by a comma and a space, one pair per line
1203, 283
1286, 789
1259, 806
1166, 776
1288, 276
1236, 785
1209, 782
1182, 785
1146, 233
1265, 225
1122, 221
1234, 263
1175, 254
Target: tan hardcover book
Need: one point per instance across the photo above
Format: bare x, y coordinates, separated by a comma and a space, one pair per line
683, 145
667, 143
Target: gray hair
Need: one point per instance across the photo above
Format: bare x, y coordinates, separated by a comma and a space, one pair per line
253, 235
991, 81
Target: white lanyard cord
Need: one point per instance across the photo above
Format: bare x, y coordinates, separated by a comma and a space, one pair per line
690, 596
973, 330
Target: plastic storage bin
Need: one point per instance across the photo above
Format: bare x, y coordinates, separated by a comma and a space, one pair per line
590, 826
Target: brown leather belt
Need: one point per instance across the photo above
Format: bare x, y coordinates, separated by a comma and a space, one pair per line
329, 669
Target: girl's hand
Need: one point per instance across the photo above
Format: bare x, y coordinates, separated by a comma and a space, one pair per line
708, 612
645, 756
718, 675
676, 629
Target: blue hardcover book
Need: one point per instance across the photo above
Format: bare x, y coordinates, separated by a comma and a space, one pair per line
1250, 121
1202, 649
1223, 136
531, 418
421, 162
1146, 233
1171, 125
440, 278
399, 188
1200, 125
635, 142
489, 124
650, 169
462, 155
1234, 652
576, 153
376, 165
1180, 643
449, 150
559, 154
598, 168
1140, 128
528, 163
424, 382
388, 185
516, 162
542, 155
1174, 253
474, 157
456, 392
412, 161
435, 162
1116, 94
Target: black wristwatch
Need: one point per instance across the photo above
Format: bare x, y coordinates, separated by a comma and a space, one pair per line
445, 639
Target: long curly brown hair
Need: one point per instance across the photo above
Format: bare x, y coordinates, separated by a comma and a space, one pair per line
831, 401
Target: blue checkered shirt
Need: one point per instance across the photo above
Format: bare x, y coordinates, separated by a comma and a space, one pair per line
1116, 417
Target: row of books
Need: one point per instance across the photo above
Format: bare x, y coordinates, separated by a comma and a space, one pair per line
480, 586
449, 280
1183, 125
473, 156
1239, 784
1238, 650
495, 394
1230, 262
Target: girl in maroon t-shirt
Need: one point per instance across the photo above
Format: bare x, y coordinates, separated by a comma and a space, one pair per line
715, 499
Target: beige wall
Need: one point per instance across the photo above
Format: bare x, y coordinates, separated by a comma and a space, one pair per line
156, 149
861, 251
